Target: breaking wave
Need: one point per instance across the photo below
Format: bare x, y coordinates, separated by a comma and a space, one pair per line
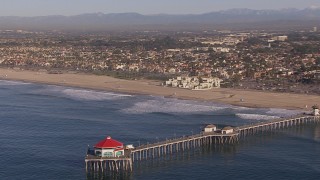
256, 116
283, 112
169, 106
92, 95
80, 94
12, 83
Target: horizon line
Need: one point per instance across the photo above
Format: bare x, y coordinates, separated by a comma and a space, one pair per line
157, 14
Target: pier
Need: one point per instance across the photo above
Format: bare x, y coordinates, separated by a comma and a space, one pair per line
274, 125
170, 147
157, 150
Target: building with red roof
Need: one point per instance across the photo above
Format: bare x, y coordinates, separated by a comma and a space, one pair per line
109, 148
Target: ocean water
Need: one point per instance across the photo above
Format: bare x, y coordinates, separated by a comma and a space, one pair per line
45, 131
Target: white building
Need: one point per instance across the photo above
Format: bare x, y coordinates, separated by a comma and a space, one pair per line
316, 112
227, 130
210, 128
315, 29
194, 83
280, 38
221, 49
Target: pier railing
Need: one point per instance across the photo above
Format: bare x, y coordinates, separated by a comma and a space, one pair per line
275, 124
180, 140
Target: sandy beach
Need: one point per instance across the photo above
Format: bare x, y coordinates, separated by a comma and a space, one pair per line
228, 96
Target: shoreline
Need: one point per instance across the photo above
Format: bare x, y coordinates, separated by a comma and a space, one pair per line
251, 98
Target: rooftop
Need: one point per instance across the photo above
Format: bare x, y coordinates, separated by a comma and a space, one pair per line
109, 143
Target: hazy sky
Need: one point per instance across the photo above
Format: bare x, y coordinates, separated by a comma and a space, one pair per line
73, 7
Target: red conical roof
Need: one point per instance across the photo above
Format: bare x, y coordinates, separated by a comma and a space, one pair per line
108, 143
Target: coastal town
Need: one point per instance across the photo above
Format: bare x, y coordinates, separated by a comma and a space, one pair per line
260, 60
163, 90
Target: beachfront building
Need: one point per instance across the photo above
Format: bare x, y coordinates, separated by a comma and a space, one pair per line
109, 148
227, 130
210, 128
315, 110
280, 38
194, 83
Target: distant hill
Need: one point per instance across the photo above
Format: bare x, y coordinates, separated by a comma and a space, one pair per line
232, 19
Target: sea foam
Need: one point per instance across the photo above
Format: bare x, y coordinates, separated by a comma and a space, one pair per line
80, 94
170, 106
92, 95
283, 112
256, 116
12, 83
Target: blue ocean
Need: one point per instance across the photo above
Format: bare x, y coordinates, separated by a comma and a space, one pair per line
45, 131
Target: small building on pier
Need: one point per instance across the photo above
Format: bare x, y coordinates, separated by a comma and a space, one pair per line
227, 130
315, 110
210, 128
109, 148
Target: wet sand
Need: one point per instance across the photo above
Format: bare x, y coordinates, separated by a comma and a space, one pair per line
247, 98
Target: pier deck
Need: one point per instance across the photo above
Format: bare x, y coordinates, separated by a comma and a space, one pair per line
275, 124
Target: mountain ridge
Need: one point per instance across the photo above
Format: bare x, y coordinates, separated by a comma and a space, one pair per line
132, 20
